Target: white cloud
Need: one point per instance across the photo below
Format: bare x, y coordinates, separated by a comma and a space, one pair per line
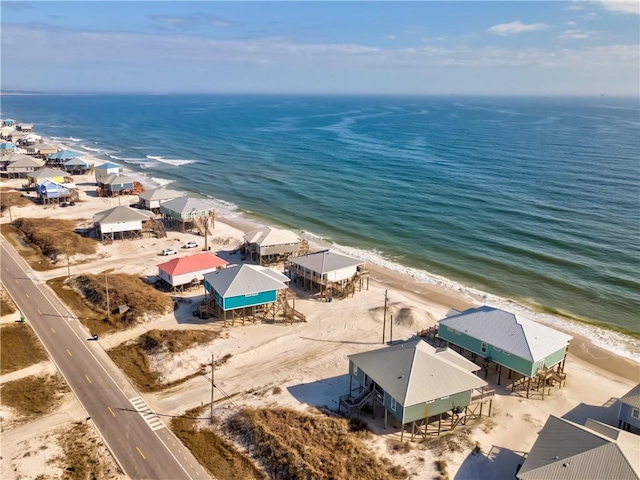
574, 35
434, 39
107, 61
511, 28
620, 6
390, 37
571, 24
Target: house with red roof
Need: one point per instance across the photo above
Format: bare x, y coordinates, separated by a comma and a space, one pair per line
189, 271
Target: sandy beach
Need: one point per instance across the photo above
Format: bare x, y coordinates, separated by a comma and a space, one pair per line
307, 361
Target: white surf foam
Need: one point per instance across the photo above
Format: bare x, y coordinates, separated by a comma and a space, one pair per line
171, 161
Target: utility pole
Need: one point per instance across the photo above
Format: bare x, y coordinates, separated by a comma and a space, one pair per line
10, 218
384, 319
106, 281
213, 369
68, 263
391, 327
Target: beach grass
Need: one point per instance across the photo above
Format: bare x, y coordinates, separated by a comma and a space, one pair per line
32, 256
90, 316
7, 307
134, 360
19, 348
54, 238
87, 298
33, 396
214, 453
82, 456
10, 197
298, 445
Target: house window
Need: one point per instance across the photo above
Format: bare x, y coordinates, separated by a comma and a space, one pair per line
431, 401
483, 347
449, 329
444, 398
355, 370
393, 404
635, 413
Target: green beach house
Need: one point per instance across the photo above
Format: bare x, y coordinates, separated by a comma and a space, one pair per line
500, 337
413, 382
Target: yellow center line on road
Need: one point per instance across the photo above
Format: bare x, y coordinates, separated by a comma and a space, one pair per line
185, 458
27, 295
140, 452
197, 473
39, 311
88, 379
69, 353
111, 411
53, 330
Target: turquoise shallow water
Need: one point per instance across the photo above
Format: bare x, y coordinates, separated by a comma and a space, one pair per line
534, 199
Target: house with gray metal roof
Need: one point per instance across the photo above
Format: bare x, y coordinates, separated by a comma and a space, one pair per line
115, 185
151, 199
415, 382
271, 245
497, 336
76, 166
332, 274
19, 165
629, 414
566, 450
188, 213
242, 291
126, 221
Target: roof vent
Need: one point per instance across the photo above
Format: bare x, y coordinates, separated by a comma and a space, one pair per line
401, 376
565, 464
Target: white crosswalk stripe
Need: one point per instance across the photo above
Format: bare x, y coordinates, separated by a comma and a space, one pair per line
151, 418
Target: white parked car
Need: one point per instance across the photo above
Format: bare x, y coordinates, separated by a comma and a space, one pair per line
169, 251
191, 244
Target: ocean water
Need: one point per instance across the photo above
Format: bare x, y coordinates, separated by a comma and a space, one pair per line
530, 203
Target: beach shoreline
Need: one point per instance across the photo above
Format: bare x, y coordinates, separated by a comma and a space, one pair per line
440, 292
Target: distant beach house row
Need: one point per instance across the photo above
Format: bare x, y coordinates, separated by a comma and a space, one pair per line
416, 384
566, 450
518, 344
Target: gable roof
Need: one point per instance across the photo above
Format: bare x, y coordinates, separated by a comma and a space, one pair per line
518, 336
632, 397
245, 280
116, 179
47, 172
107, 166
268, 236
64, 154
414, 372
76, 161
160, 194
122, 214
192, 263
326, 261
566, 450
184, 205
15, 156
22, 161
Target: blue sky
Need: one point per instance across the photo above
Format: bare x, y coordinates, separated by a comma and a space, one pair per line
371, 47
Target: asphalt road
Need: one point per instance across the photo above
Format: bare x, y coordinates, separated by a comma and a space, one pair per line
142, 445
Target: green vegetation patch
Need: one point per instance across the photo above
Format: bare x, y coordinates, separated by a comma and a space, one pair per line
133, 357
297, 445
33, 396
214, 453
54, 238
19, 348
